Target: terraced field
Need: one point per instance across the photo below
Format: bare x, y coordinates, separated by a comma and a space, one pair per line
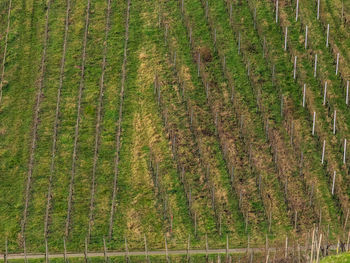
131, 125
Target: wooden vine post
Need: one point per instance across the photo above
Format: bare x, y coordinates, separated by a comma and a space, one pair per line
295, 67
188, 249
105, 250
206, 246
86, 251
6, 250
46, 251
65, 250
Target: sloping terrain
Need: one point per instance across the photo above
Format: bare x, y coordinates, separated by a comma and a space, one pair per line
138, 125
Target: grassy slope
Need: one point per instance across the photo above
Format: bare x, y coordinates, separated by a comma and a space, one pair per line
185, 148
326, 72
66, 125
194, 90
85, 144
194, 258
343, 258
105, 164
282, 85
34, 229
314, 97
253, 136
144, 130
131, 185
83, 177
301, 118
335, 97
19, 96
237, 154
205, 190
141, 130
268, 95
331, 13
178, 101
3, 26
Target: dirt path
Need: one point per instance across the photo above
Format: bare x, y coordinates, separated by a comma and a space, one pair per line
140, 253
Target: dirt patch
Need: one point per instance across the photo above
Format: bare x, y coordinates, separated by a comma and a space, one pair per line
133, 221
205, 52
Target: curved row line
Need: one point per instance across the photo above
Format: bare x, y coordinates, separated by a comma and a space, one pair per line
77, 125
305, 180
119, 122
322, 133
237, 108
213, 186
55, 127
247, 135
306, 117
273, 129
36, 122
99, 119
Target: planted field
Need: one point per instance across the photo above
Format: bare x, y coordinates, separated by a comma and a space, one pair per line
181, 125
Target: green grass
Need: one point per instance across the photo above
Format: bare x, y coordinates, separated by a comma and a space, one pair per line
104, 174
305, 75
194, 90
253, 136
293, 92
3, 18
37, 201
68, 115
337, 258
205, 149
19, 97
269, 95
194, 258
214, 134
331, 13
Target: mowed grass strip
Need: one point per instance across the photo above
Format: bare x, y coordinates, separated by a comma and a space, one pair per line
183, 120
42, 161
65, 140
35, 124
111, 100
314, 103
302, 121
85, 146
136, 208
253, 137
17, 108
269, 97
203, 112
181, 107
4, 40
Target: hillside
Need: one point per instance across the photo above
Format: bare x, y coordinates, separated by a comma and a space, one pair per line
135, 125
